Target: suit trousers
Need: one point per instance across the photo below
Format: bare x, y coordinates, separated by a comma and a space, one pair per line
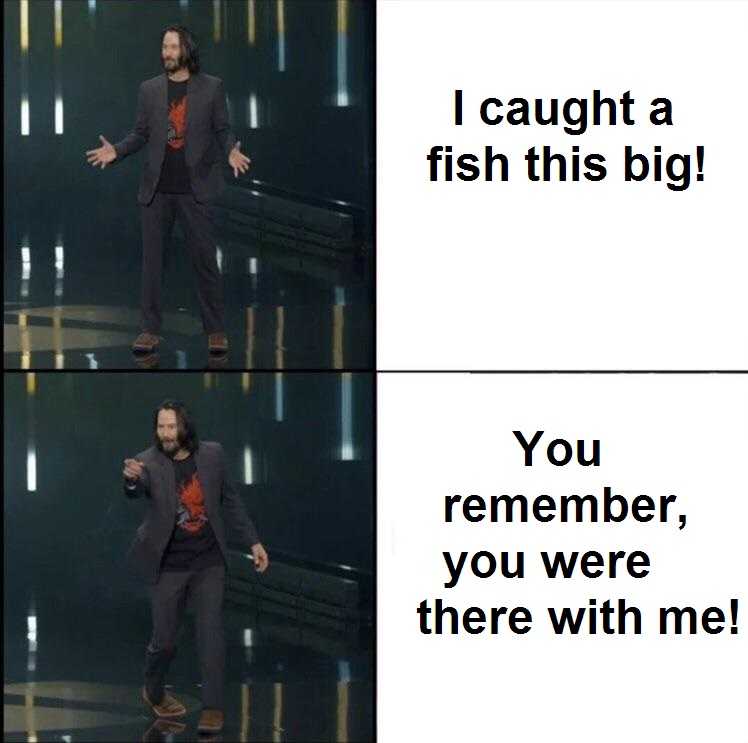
196, 220
169, 596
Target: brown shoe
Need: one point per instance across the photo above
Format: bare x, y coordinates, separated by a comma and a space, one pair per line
162, 728
145, 343
211, 721
218, 343
168, 707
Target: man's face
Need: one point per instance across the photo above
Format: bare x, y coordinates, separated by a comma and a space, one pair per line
171, 52
167, 430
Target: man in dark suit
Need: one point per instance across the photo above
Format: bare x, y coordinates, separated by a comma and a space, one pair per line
183, 122
180, 551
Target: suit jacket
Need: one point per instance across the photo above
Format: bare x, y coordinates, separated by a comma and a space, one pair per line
157, 485
208, 136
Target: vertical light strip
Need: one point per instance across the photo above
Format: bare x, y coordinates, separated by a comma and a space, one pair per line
33, 644
248, 478
60, 260
57, 67
250, 337
251, 23
24, 25
28, 701
58, 114
23, 332
58, 24
280, 319
30, 384
32, 637
346, 416
25, 115
216, 20
181, 359
245, 705
25, 129
338, 326
277, 711
25, 270
279, 396
31, 629
252, 119
281, 18
246, 382
342, 67
57, 337
59, 272
344, 682
219, 259
31, 467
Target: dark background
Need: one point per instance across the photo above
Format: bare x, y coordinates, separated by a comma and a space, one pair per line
309, 501
304, 140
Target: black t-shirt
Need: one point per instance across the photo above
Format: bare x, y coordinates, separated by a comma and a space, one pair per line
174, 175
193, 544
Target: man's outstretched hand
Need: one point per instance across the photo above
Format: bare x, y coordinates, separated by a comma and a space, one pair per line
102, 155
240, 163
260, 557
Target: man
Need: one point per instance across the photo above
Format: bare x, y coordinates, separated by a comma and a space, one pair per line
180, 551
182, 118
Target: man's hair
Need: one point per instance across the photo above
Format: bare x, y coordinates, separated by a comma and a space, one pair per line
186, 433
189, 46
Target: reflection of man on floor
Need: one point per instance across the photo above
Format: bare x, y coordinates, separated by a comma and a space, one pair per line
182, 118
180, 551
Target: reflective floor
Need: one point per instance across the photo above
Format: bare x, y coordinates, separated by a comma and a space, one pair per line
72, 284
74, 675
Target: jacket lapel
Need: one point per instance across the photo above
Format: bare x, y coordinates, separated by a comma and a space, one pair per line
202, 475
193, 91
166, 470
162, 104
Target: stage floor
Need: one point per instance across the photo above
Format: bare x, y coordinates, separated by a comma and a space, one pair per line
75, 675
72, 289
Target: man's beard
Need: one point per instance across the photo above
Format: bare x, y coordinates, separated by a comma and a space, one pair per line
173, 446
172, 65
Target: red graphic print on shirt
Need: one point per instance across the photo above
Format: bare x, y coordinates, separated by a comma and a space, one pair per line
177, 123
191, 509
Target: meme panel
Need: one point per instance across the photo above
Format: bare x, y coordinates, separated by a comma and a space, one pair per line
189, 555
189, 184
563, 371
573, 192
567, 551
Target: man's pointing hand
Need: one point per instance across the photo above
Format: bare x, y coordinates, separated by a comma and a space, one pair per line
133, 469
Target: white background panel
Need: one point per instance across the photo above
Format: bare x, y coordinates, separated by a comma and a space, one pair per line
521, 275
440, 435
